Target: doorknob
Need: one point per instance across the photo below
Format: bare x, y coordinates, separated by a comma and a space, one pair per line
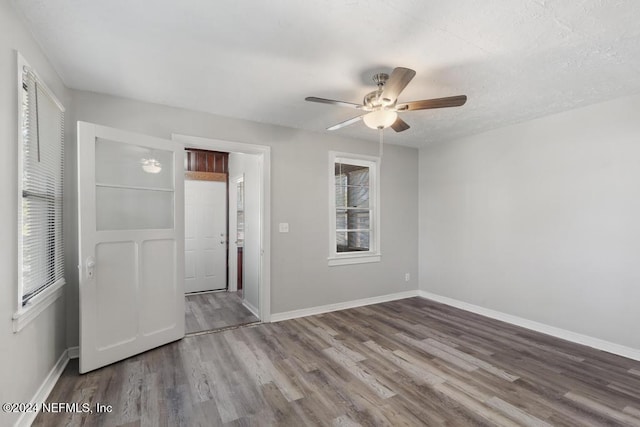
91, 267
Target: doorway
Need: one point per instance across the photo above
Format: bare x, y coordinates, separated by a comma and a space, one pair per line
215, 243
262, 230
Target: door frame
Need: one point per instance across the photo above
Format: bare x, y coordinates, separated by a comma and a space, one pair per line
264, 154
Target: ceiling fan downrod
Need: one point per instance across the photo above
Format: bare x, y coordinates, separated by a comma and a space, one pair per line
373, 100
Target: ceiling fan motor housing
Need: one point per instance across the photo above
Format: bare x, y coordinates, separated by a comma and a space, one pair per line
380, 79
373, 100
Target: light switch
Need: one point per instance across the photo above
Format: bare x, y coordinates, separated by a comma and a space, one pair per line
284, 227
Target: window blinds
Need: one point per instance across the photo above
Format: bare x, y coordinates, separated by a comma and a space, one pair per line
40, 218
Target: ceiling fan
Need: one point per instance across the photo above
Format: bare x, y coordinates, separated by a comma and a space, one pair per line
380, 108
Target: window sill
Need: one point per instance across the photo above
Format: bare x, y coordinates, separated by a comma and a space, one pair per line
37, 305
353, 259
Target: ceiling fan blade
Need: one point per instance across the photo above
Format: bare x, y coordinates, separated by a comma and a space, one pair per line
425, 104
333, 102
399, 79
345, 123
400, 125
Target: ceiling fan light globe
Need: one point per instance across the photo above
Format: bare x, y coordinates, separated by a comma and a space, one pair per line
380, 119
151, 166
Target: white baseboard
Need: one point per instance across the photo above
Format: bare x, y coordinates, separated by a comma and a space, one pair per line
278, 317
74, 352
564, 334
251, 308
27, 418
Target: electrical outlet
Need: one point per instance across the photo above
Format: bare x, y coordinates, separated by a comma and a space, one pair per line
407, 277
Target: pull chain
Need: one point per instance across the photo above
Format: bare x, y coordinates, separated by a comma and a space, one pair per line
380, 130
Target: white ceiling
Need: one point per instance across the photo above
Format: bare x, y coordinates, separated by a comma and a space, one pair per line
258, 60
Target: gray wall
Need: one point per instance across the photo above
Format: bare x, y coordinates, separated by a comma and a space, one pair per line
540, 220
300, 277
26, 357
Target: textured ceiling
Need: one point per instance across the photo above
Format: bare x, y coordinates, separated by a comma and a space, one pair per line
516, 59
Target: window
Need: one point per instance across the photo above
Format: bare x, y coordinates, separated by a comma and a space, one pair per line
40, 164
354, 210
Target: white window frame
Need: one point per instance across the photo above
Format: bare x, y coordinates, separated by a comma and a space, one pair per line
373, 254
25, 313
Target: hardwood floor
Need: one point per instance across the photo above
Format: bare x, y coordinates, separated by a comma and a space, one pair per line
408, 362
215, 310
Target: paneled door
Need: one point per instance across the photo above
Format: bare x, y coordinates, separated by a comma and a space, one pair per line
205, 235
131, 225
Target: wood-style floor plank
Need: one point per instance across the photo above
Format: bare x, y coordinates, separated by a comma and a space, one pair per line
409, 362
211, 311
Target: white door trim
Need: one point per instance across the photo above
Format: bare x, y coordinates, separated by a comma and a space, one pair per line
264, 153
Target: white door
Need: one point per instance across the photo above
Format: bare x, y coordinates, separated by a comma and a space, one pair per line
205, 257
131, 224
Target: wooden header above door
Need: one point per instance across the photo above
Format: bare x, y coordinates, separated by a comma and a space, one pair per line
203, 165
